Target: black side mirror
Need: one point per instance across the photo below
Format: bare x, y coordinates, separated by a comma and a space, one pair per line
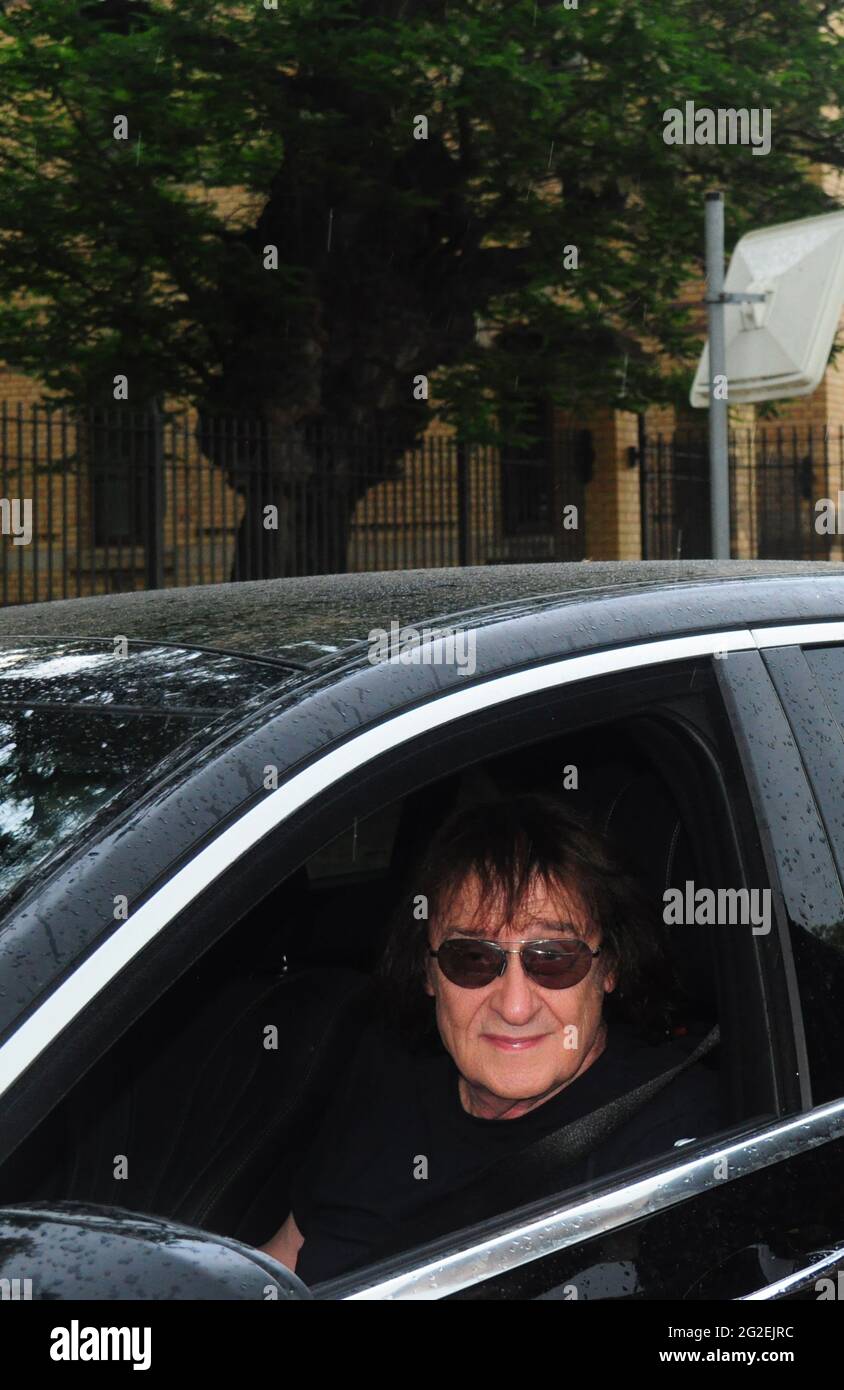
71, 1250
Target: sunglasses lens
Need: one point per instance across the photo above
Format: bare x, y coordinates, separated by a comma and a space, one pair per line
474, 964
557, 967
471, 964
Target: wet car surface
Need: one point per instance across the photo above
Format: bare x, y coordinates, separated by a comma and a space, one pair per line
222, 747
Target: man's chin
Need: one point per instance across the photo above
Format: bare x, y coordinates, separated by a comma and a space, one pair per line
521, 1083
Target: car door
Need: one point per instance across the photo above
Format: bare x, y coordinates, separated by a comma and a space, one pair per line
628, 1241
806, 665
760, 1214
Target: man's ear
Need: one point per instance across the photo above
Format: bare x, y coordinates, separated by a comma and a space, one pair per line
430, 967
428, 983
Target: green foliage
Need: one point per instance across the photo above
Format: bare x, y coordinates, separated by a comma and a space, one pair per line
545, 130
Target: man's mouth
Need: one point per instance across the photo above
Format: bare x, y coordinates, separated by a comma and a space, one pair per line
513, 1044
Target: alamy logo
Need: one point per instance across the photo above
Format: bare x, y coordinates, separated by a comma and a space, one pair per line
14, 1289
702, 126
829, 516
426, 646
75, 1343
723, 906
11, 523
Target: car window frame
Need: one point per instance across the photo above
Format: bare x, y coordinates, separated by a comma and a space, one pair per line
193, 876
813, 725
187, 890
804, 702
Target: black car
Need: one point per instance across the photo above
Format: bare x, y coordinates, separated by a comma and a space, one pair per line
210, 799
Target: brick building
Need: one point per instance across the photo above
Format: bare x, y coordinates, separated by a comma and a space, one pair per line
586, 500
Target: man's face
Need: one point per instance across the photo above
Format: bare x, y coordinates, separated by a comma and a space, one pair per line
479, 1027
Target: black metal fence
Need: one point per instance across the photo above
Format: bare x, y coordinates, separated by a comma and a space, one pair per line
106, 500
101, 501
784, 492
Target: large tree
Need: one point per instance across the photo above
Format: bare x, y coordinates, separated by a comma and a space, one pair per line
544, 131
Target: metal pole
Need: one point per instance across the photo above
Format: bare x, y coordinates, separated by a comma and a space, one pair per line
462, 505
154, 520
642, 451
719, 477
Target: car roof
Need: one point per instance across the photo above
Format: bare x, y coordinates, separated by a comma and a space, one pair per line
305, 622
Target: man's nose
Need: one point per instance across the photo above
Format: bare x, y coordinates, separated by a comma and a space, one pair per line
514, 999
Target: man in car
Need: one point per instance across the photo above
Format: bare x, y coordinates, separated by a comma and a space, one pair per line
525, 984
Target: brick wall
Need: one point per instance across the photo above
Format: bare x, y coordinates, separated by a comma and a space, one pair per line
44, 459
202, 511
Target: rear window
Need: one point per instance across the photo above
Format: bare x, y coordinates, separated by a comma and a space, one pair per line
80, 724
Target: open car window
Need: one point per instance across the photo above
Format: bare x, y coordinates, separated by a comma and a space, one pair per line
209, 1107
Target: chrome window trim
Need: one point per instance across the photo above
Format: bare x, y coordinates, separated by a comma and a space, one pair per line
566, 1226
791, 634
94, 973
794, 1283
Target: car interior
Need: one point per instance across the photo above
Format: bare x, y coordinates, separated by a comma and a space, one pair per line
187, 1118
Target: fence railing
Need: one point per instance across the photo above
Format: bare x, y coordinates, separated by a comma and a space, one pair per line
783, 482
100, 501
105, 500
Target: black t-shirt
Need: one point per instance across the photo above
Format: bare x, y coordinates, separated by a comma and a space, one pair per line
396, 1138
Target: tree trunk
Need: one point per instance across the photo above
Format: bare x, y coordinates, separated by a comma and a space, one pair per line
299, 491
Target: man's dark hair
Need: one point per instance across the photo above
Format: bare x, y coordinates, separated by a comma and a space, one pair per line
509, 845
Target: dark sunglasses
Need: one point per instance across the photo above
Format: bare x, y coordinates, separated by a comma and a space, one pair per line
472, 963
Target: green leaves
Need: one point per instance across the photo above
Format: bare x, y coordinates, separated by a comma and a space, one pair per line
294, 128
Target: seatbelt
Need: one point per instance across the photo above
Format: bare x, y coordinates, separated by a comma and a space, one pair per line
518, 1179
